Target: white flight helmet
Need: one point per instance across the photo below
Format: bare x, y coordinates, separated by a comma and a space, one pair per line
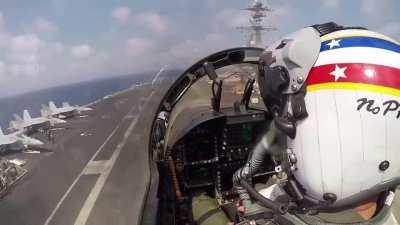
334, 91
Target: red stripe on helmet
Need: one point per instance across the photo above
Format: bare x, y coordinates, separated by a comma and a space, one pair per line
356, 73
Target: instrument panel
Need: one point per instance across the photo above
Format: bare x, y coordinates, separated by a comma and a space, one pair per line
208, 155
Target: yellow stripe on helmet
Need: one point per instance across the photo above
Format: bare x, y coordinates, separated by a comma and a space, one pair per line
354, 86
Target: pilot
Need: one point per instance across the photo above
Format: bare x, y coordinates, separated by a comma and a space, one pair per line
334, 93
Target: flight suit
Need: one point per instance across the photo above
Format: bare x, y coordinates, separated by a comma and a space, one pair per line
388, 215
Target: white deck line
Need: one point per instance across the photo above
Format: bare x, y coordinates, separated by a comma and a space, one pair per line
95, 192
48, 220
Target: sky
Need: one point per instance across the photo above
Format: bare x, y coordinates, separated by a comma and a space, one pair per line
45, 43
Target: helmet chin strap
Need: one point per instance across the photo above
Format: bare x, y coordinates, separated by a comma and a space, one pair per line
298, 104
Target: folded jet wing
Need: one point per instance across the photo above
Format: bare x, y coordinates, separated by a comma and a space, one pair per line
16, 141
33, 124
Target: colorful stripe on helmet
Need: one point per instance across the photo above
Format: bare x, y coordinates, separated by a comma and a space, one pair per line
359, 42
354, 86
365, 55
356, 76
356, 59
356, 33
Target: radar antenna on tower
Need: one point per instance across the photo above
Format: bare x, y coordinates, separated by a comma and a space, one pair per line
255, 29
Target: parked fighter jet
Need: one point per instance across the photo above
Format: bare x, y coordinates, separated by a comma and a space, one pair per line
33, 124
16, 141
66, 111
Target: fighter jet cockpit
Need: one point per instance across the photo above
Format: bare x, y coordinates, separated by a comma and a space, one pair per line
206, 126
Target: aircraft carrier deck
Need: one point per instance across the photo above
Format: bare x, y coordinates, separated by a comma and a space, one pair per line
98, 172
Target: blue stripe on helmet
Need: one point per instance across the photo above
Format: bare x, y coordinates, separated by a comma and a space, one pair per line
361, 42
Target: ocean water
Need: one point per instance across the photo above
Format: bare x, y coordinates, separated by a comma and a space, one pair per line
76, 94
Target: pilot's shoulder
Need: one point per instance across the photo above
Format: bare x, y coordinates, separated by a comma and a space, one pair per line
396, 205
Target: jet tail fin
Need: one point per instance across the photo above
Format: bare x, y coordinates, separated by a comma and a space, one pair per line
52, 106
17, 123
1, 132
26, 115
65, 104
45, 111
17, 117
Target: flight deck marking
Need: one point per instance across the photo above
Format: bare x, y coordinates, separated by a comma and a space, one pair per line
95, 192
86, 207
95, 167
79, 176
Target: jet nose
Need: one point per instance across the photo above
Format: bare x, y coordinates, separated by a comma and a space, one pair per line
37, 142
31, 141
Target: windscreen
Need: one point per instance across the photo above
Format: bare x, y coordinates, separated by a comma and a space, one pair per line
234, 79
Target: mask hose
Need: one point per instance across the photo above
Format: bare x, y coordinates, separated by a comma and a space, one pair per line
268, 203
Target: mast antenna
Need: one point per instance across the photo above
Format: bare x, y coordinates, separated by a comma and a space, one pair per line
254, 31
